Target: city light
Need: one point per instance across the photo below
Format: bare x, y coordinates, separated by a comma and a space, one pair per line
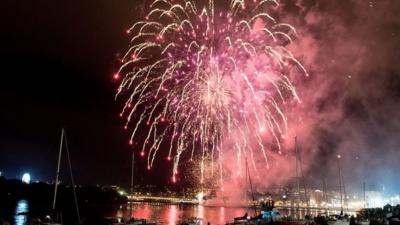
200, 197
26, 178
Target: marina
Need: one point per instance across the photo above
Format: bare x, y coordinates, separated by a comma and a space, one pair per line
162, 213
200, 112
179, 214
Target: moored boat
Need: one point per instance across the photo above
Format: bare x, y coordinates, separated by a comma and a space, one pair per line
191, 221
268, 215
131, 221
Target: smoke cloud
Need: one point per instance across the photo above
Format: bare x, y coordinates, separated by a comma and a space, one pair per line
350, 103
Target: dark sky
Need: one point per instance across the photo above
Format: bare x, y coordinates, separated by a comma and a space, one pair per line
58, 57
57, 61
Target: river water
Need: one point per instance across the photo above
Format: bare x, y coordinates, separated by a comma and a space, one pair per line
20, 217
173, 214
166, 214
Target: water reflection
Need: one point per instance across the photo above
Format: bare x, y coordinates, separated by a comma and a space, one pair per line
222, 213
21, 212
174, 214
200, 212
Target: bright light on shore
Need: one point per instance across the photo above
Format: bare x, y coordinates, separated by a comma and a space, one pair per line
26, 178
200, 197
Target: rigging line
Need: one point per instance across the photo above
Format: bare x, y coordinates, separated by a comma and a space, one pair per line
72, 178
251, 186
58, 170
303, 181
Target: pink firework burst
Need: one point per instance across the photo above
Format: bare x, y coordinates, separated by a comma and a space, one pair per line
200, 75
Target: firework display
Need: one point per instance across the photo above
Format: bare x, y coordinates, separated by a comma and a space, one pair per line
203, 76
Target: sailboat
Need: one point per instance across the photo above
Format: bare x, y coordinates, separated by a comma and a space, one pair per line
132, 220
58, 215
269, 213
340, 219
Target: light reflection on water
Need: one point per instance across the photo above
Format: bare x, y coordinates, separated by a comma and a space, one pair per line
21, 210
173, 214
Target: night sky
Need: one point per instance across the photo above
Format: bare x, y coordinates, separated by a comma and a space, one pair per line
57, 62
58, 59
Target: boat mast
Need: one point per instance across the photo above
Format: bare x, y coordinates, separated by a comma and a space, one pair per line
132, 176
63, 136
251, 186
297, 178
72, 179
344, 195
324, 189
365, 205
58, 169
340, 185
300, 178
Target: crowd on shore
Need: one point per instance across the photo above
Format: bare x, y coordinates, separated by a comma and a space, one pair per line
388, 215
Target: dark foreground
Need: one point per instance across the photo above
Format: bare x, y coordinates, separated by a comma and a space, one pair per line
20, 202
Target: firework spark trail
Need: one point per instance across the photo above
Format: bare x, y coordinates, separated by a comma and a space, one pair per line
199, 76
